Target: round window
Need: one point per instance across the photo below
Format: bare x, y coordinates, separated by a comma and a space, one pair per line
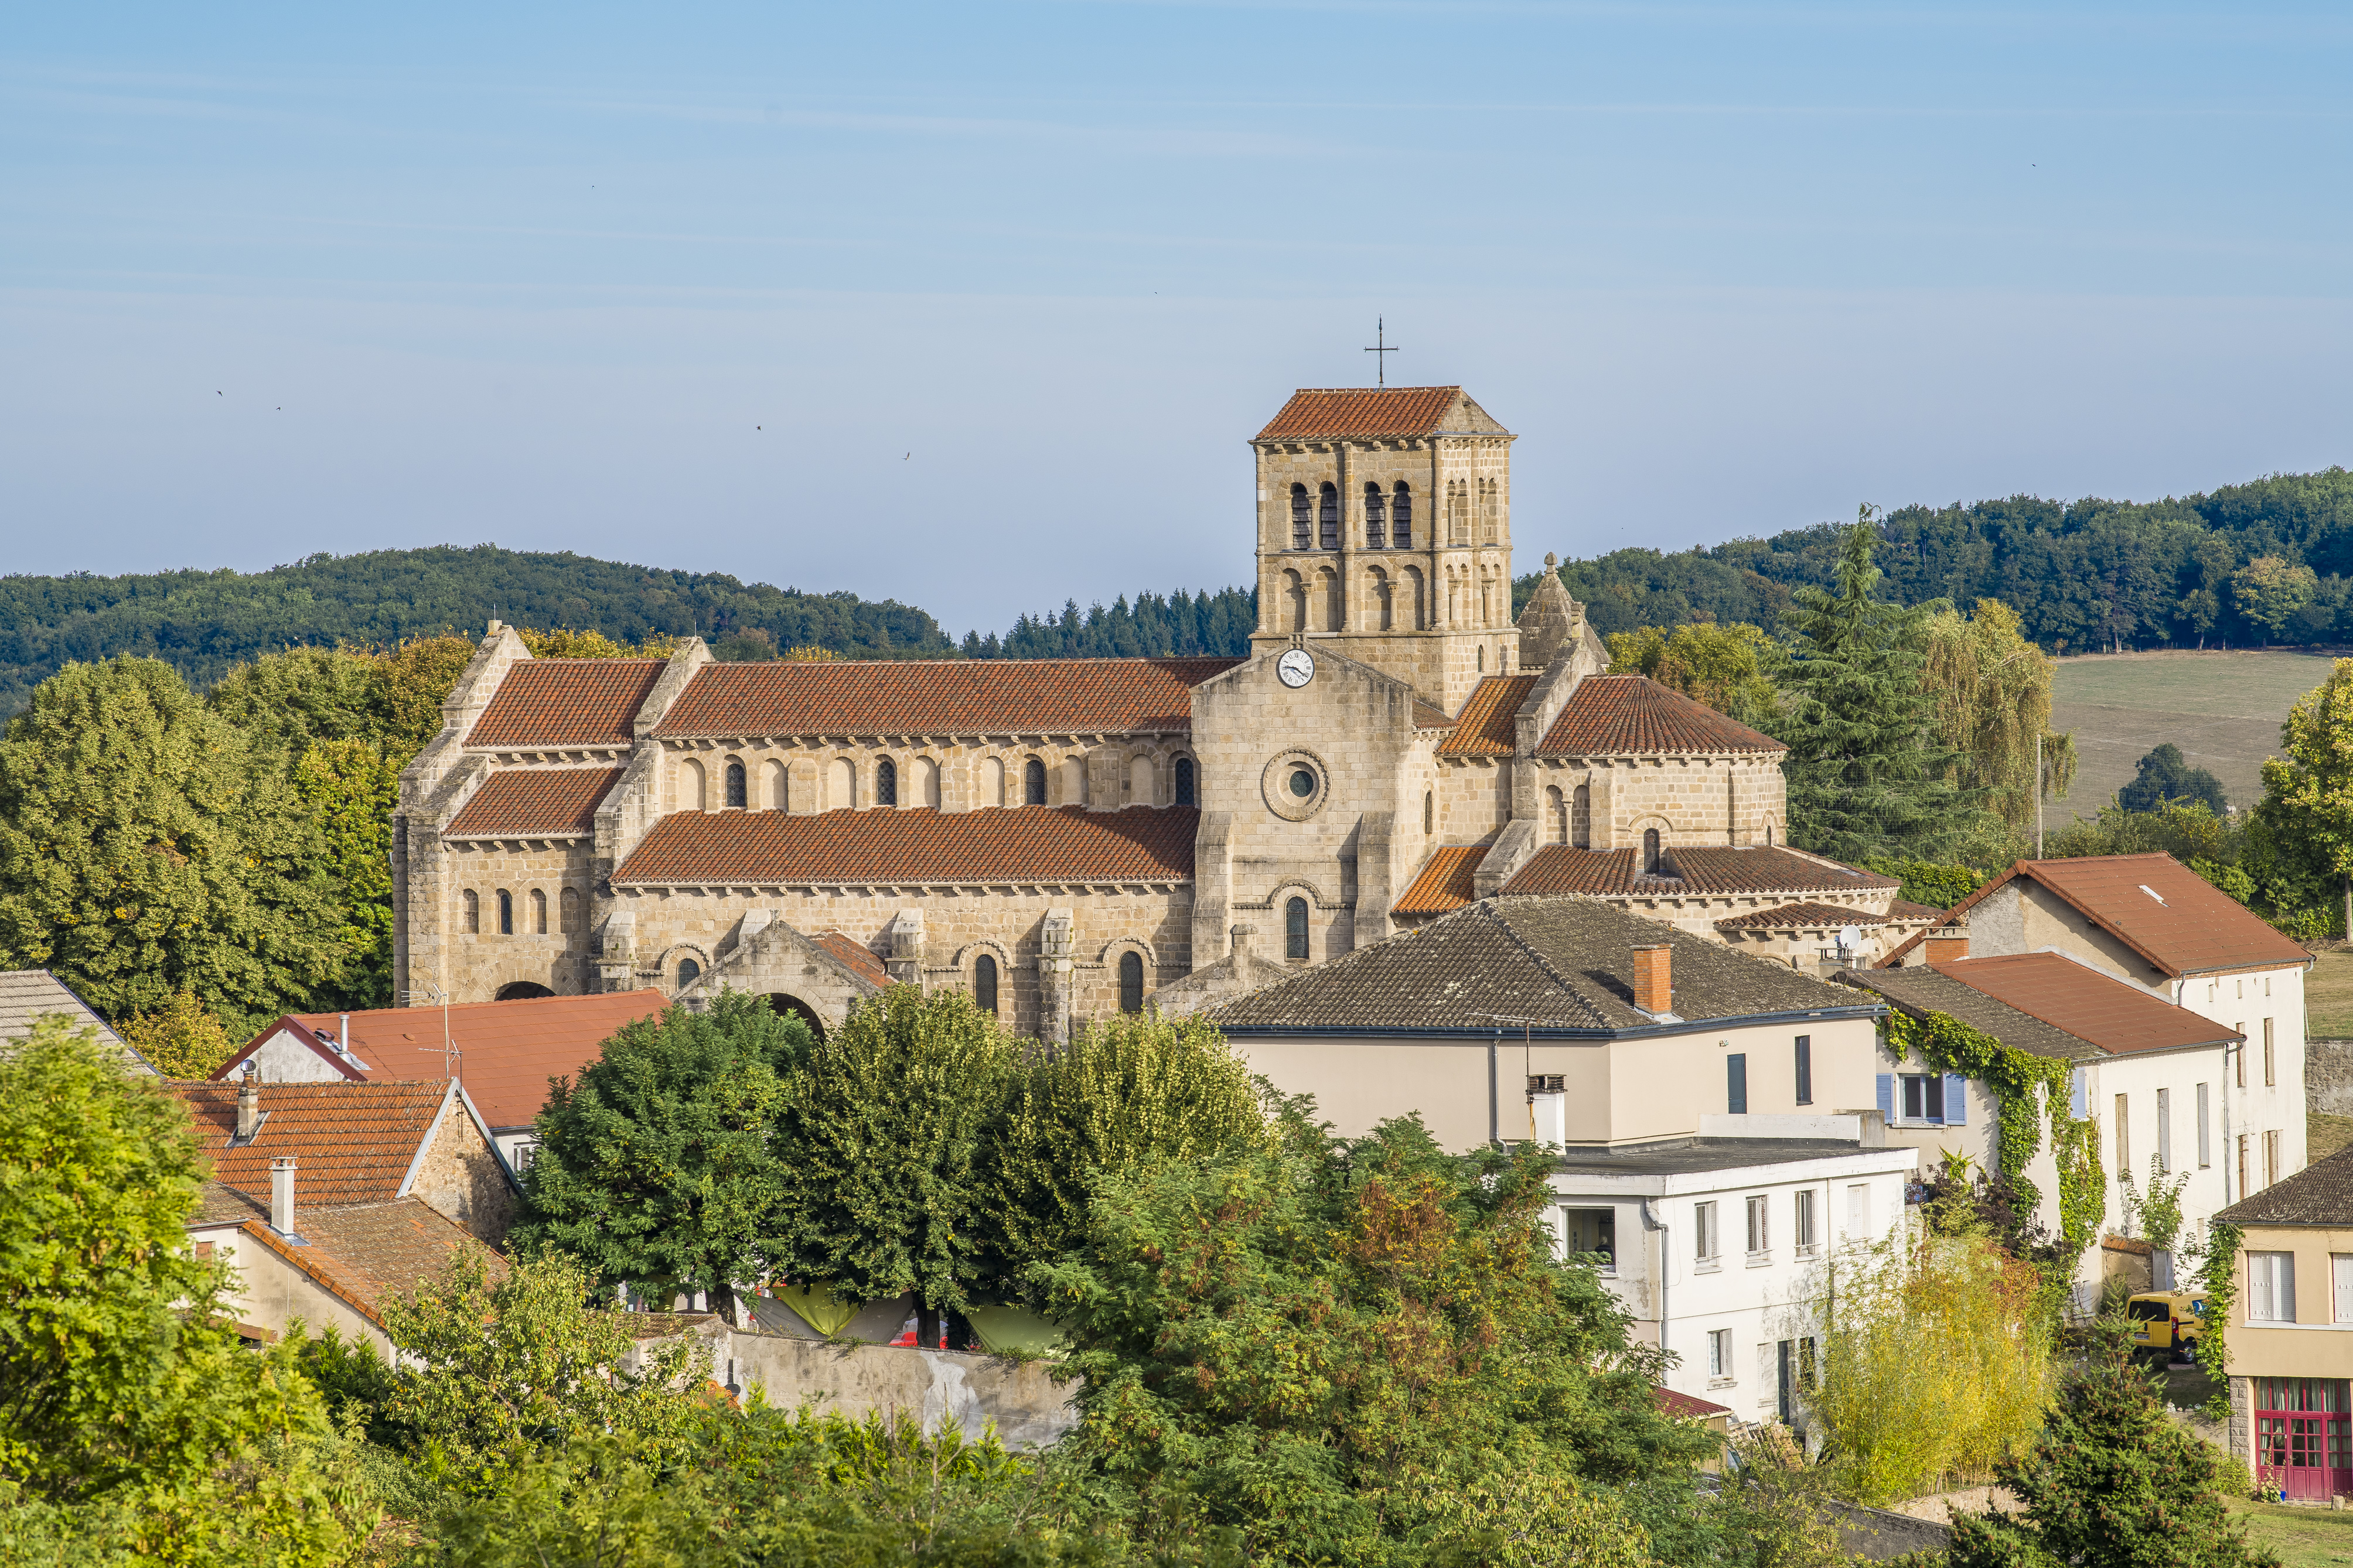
1302, 783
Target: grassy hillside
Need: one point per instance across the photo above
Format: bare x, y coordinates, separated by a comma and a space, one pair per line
202, 622
2223, 709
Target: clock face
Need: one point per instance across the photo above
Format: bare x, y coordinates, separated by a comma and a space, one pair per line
1296, 668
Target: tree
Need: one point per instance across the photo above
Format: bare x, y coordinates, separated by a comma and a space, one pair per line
1990, 690
2270, 590
350, 787
2166, 775
1729, 668
2308, 794
1865, 772
180, 1039
2111, 1482
659, 1167
146, 849
296, 697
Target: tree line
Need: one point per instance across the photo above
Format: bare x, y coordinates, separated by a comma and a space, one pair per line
1181, 624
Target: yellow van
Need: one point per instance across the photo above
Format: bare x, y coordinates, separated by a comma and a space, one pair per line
2165, 1323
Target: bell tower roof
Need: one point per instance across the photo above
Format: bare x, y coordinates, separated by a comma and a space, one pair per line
1366, 413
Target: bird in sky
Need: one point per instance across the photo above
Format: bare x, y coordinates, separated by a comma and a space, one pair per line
909, 455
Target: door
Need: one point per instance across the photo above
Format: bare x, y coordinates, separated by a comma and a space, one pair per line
2304, 1437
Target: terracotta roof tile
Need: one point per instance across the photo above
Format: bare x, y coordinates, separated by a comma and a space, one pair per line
531, 801
1485, 728
855, 954
354, 1142
1686, 1406
1610, 873
1904, 910
2118, 1018
559, 703
1805, 915
369, 1254
941, 697
1025, 843
2320, 1194
1331, 413
1920, 991
1445, 882
1623, 715
2178, 921
1426, 716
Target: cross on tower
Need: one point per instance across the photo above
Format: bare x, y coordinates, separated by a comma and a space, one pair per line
1383, 347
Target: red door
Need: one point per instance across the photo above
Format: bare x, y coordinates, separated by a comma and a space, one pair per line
2304, 1437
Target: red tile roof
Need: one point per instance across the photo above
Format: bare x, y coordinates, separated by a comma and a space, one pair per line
354, 1142
2162, 910
1445, 882
1803, 916
1426, 716
1622, 715
1025, 843
557, 702
854, 954
1606, 872
2117, 1017
1687, 1406
941, 697
368, 1254
531, 801
1332, 412
1485, 728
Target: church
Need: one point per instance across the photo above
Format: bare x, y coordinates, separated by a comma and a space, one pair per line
1065, 838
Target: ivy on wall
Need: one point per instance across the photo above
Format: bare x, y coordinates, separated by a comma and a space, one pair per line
2219, 1277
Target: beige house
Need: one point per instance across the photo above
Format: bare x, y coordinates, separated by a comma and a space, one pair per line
2291, 1331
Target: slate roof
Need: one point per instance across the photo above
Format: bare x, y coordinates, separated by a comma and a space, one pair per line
2094, 1014
1623, 715
1484, 729
1801, 916
940, 696
917, 844
560, 702
1702, 868
368, 1254
533, 803
354, 1142
27, 994
1567, 962
2320, 1194
1333, 412
1445, 882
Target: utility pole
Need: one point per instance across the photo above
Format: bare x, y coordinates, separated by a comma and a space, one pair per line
2038, 794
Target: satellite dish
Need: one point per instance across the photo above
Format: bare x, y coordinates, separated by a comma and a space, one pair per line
1850, 937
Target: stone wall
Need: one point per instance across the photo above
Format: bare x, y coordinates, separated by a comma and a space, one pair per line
2329, 1077
462, 1177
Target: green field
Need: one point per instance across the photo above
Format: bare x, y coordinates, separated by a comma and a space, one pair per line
2223, 708
2303, 1537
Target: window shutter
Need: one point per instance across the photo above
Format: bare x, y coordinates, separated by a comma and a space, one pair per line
1957, 1100
1887, 1096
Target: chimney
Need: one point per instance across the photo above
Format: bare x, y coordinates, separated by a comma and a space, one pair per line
1243, 935
1946, 946
344, 1038
282, 1196
1654, 974
249, 1106
496, 627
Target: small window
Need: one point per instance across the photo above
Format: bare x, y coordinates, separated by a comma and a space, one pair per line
1706, 1246
1402, 516
2124, 1139
2270, 1069
1719, 1355
474, 912
984, 983
689, 972
1760, 1236
538, 913
1294, 929
1429, 810
506, 914
1327, 518
1858, 1209
1805, 1226
1302, 523
737, 791
1588, 1233
1805, 1069
886, 783
1736, 1083
1033, 782
1131, 983
1185, 781
1650, 851
1376, 518
2271, 1287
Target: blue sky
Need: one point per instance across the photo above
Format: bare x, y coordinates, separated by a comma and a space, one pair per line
974, 306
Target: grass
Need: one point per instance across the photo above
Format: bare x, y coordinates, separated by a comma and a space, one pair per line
2325, 1135
2223, 709
2328, 996
2303, 1537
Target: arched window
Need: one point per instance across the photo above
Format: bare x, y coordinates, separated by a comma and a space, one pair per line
984, 983
1429, 810
474, 912
1184, 781
992, 781
538, 913
840, 784
1327, 518
1482, 658
1768, 833
1581, 818
1650, 851
506, 914
571, 911
1301, 537
738, 795
1033, 782
1402, 516
1376, 517
1556, 816
689, 972
690, 787
1131, 983
886, 783
1295, 928
522, 990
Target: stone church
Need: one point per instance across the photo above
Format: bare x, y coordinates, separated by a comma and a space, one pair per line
1067, 838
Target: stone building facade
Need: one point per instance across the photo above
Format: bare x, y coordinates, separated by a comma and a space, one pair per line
1064, 838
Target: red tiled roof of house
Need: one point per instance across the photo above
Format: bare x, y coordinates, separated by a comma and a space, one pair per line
529, 802
558, 703
2162, 910
352, 1142
941, 697
2092, 1006
1445, 882
1485, 728
1622, 715
1557, 868
855, 954
1332, 412
1023, 843
368, 1254
1687, 1406
1805, 915
1905, 909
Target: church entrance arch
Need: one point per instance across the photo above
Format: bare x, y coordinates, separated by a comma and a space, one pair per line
794, 1007
522, 990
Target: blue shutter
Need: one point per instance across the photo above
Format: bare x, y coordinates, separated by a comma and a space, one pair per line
2079, 1095
1957, 1100
1736, 1083
1887, 1096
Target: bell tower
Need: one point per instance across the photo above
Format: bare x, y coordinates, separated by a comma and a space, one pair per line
1384, 530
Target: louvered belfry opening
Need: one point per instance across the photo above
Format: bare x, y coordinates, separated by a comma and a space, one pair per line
886, 783
736, 786
1302, 534
1327, 521
1402, 516
1376, 517
1033, 782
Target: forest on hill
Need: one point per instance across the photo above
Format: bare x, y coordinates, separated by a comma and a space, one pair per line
2268, 562
203, 624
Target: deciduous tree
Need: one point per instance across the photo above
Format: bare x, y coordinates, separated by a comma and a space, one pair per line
1729, 668
2309, 794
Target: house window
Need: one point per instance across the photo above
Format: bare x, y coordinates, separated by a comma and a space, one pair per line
2341, 1287
1587, 1233
1402, 516
1706, 1242
984, 983
1033, 782
736, 789
1295, 931
1736, 1083
473, 903
2205, 1154
1327, 517
1924, 1097
1805, 1069
2270, 1074
2123, 1140
1760, 1241
1184, 781
1805, 1226
886, 783
2165, 1131
506, 914
2271, 1158
2240, 1051
1719, 1355
2242, 1165
1131, 983
1858, 1209
2271, 1287
689, 972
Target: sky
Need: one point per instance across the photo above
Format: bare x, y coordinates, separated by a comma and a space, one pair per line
975, 306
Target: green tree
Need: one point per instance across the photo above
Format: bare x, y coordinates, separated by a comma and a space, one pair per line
2111, 1482
2165, 774
2308, 794
145, 849
1867, 774
296, 697
350, 788
180, 1039
2270, 590
1990, 689
659, 1167
1729, 668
